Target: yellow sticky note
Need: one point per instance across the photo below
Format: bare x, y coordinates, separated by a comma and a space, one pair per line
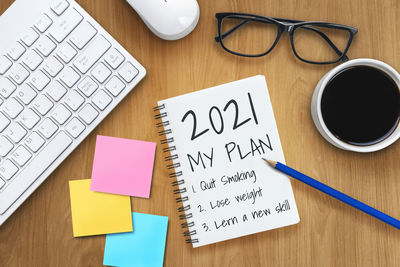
95, 213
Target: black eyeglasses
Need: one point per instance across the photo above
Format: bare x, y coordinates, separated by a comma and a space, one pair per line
312, 42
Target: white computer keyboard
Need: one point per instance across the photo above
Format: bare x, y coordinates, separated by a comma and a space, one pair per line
59, 79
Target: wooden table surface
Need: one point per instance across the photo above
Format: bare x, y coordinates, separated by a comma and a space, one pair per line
330, 233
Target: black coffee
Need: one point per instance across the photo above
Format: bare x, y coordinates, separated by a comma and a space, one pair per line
361, 105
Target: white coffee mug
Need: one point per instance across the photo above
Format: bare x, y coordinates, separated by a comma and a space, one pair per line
316, 105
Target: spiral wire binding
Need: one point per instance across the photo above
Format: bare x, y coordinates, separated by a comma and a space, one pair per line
175, 174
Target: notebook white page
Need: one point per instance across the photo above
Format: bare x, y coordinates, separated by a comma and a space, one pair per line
233, 128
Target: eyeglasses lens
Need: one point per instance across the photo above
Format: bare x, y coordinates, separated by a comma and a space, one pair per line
237, 30
320, 44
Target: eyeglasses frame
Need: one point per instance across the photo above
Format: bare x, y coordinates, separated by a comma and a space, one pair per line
285, 25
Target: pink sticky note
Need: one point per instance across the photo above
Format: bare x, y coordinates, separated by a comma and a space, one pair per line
123, 166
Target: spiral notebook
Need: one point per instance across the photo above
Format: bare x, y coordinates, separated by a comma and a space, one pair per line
215, 140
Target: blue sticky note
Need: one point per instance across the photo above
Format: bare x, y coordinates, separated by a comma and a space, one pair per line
145, 246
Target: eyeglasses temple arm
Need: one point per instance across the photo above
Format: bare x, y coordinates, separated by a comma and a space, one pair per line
245, 20
217, 39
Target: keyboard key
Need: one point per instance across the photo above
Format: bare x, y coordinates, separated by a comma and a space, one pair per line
43, 23
21, 155
42, 104
12, 108
74, 100
88, 114
4, 122
69, 76
101, 72
8, 169
29, 37
5, 146
26, 94
34, 169
75, 127
52, 66
64, 25
6, 87
83, 34
34, 142
115, 86
15, 132
16, 51
61, 114
101, 100
59, 6
87, 86
66, 52
5, 64
128, 72
93, 52
45, 46
32, 60
29, 118
39, 80
114, 58
56, 91
2, 183
18, 73
48, 128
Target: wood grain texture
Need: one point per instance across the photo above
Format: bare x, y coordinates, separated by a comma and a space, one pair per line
330, 233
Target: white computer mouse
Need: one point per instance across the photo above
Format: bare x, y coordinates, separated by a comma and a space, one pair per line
168, 19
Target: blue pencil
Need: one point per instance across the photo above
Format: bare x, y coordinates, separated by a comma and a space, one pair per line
334, 193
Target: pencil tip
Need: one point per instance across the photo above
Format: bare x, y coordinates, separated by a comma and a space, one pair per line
270, 162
